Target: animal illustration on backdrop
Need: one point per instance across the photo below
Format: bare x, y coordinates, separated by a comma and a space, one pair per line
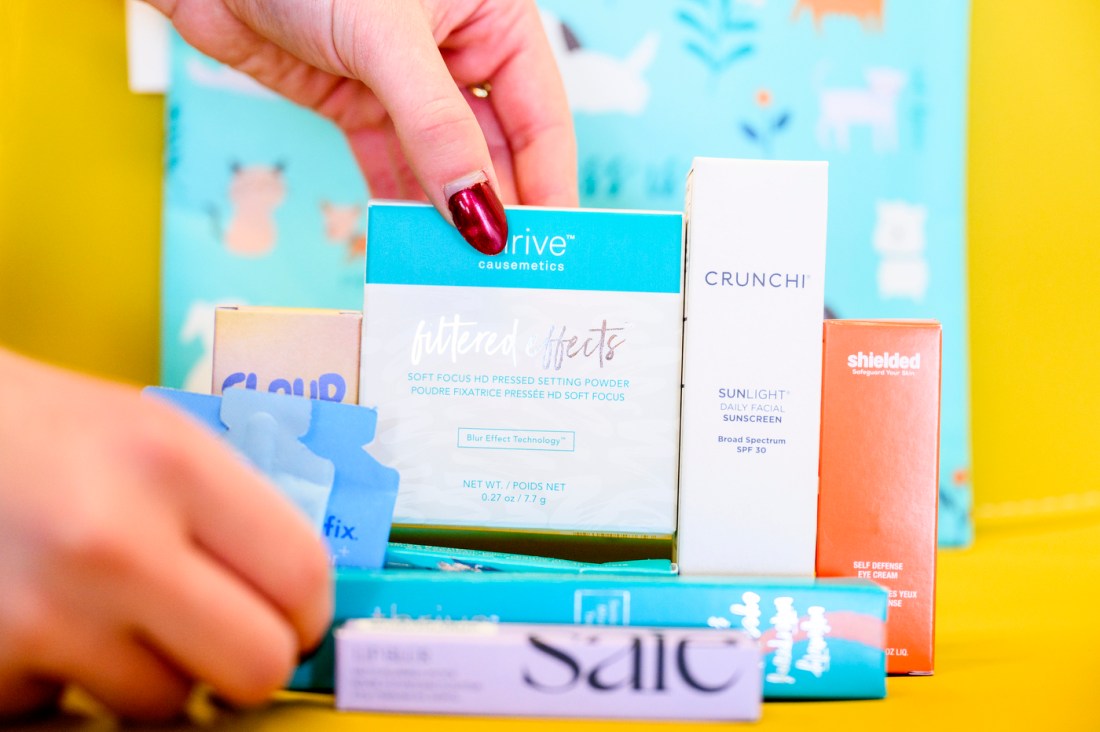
899, 239
343, 226
599, 83
874, 106
255, 193
868, 12
199, 325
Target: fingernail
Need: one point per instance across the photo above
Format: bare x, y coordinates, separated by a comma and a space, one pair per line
478, 213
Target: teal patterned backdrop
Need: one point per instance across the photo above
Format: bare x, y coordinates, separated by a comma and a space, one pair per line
264, 204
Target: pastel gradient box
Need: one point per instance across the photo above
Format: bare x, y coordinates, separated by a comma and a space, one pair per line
536, 390
301, 351
820, 639
465, 667
879, 472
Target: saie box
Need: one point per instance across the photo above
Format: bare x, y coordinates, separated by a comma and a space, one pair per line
752, 367
466, 667
303, 351
537, 390
879, 472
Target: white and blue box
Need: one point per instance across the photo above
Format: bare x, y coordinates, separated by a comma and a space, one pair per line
537, 390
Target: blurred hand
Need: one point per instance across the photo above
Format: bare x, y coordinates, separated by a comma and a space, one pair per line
395, 75
138, 554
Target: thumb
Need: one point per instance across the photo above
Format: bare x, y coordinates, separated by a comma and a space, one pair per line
438, 132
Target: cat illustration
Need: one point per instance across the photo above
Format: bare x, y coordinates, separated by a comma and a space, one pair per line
342, 226
255, 192
597, 82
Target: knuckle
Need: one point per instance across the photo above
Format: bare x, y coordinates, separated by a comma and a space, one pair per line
90, 539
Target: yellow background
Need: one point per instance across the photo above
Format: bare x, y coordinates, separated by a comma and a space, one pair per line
79, 235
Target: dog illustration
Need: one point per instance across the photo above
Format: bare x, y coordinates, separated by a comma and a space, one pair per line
597, 82
868, 12
875, 106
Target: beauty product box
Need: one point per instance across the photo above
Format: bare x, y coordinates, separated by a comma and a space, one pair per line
445, 559
879, 472
752, 367
519, 669
537, 390
312, 450
821, 639
300, 351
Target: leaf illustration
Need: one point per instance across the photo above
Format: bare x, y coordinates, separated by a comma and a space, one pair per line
781, 121
749, 132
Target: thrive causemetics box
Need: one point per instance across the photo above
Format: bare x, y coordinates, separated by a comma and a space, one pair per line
536, 390
879, 472
467, 667
752, 367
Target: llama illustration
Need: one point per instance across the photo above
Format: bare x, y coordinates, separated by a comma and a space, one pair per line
868, 12
255, 193
343, 226
597, 82
875, 106
899, 238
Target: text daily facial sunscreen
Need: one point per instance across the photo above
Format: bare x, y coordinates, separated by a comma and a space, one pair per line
752, 367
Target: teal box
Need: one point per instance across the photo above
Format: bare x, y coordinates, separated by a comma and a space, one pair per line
821, 639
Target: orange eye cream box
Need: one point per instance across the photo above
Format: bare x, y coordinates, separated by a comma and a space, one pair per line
880, 422
310, 352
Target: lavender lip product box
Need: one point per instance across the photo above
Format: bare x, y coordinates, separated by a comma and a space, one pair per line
521, 669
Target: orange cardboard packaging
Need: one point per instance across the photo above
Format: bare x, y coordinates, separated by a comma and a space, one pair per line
880, 423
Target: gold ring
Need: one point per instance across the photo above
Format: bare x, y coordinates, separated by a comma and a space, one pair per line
481, 91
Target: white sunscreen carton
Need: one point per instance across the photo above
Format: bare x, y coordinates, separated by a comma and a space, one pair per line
750, 426
537, 390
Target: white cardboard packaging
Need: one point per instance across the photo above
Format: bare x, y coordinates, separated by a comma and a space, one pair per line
605, 671
750, 426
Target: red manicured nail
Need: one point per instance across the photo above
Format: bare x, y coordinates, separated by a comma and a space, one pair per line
479, 216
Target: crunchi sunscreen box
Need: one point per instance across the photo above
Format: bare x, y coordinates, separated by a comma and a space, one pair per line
754, 299
879, 466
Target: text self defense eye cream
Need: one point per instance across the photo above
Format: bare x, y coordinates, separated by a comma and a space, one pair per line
752, 367
535, 390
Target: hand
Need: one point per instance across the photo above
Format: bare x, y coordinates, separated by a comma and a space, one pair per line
395, 75
138, 554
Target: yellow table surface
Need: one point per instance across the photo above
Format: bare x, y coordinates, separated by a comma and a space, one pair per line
1016, 649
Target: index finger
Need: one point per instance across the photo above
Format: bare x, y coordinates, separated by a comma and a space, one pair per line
529, 99
244, 523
